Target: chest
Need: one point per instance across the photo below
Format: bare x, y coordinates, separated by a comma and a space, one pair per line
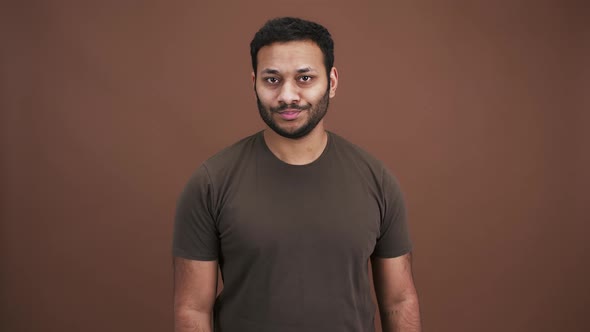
334, 213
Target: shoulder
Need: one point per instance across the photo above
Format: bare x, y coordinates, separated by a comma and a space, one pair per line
231, 156
370, 167
222, 163
355, 154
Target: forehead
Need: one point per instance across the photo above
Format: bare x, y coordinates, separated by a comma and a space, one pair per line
290, 56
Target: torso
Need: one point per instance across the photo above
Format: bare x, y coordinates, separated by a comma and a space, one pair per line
295, 240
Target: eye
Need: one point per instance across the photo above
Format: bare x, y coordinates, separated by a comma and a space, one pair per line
271, 80
305, 78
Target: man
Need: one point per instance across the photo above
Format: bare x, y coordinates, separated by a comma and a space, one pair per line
292, 214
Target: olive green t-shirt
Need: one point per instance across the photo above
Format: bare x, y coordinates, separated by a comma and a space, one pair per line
293, 242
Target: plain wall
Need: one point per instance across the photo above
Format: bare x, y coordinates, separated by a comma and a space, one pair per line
481, 109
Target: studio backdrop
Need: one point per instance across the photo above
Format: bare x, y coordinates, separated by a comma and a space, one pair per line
479, 108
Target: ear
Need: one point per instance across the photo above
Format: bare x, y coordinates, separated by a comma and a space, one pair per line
254, 83
333, 81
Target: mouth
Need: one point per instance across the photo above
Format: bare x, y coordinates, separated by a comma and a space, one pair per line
289, 114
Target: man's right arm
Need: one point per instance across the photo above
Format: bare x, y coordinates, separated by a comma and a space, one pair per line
195, 288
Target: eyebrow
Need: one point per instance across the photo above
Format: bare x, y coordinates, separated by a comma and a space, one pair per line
304, 70
270, 71
276, 71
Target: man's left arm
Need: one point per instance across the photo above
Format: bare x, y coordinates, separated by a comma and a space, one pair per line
396, 294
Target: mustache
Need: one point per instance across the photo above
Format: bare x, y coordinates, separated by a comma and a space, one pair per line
290, 106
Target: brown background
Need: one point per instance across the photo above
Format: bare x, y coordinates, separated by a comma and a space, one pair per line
479, 108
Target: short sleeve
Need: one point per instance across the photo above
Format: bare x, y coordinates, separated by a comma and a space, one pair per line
195, 232
394, 239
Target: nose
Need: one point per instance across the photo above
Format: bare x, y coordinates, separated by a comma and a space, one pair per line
289, 93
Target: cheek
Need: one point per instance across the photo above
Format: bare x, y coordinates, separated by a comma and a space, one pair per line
265, 95
314, 96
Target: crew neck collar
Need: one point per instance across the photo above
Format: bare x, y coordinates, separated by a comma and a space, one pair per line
268, 153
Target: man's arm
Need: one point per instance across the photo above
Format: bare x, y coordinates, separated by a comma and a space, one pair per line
396, 294
195, 288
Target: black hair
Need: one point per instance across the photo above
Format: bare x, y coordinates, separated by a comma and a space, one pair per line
285, 29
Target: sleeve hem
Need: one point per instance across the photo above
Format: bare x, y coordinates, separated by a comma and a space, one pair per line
392, 254
176, 252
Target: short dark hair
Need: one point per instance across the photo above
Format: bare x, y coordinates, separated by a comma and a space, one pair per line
285, 29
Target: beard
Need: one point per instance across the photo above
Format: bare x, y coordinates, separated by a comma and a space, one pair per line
315, 114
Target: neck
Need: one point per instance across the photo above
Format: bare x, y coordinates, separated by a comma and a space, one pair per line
300, 151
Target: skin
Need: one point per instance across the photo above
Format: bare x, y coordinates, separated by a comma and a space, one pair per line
293, 73
195, 288
396, 294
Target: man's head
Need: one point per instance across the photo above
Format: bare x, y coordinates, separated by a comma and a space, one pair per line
293, 75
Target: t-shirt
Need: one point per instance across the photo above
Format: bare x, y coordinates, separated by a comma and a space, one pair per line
292, 241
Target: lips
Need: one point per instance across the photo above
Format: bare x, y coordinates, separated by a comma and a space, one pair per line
289, 114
